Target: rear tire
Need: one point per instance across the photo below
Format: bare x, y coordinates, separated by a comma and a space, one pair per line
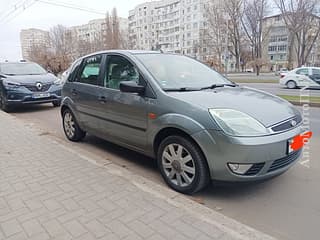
71, 128
291, 84
182, 165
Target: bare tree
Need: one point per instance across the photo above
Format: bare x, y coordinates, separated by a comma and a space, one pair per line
303, 26
234, 12
252, 22
61, 48
40, 54
112, 34
214, 35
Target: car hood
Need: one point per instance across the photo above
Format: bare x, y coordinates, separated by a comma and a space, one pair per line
32, 79
264, 107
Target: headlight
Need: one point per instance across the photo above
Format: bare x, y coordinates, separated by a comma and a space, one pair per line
237, 123
10, 85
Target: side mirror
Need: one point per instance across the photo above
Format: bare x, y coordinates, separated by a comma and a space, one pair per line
131, 87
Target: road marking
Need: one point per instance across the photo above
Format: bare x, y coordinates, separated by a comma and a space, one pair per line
305, 163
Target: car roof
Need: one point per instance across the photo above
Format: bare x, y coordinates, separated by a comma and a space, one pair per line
124, 52
306, 67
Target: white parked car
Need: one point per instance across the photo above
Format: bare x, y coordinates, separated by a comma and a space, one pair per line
301, 77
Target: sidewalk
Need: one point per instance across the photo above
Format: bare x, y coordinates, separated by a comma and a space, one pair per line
52, 190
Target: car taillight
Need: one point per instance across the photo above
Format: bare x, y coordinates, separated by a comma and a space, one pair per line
281, 76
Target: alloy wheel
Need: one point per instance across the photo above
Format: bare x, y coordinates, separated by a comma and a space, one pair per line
291, 85
178, 165
69, 124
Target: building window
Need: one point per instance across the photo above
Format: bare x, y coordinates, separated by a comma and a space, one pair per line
271, 57
272, 48
282, 48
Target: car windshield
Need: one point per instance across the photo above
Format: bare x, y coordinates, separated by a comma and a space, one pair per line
21, 69
176, 72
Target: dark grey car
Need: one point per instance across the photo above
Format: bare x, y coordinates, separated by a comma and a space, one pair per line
198, 124
27, 83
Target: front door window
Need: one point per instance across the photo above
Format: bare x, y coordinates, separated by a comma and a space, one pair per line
119, 69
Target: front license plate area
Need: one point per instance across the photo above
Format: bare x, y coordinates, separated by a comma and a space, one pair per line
289, 148
40, 95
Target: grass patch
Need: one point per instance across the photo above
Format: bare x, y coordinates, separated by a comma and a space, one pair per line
303, 99
254, 80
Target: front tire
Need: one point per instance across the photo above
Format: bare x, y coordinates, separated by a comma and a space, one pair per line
56, 103
291, 84
71, 128
3, 103
182, 165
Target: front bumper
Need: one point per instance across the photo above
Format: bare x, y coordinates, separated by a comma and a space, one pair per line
21, 96
268, 154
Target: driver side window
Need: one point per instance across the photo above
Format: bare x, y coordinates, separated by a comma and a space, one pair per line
119, 69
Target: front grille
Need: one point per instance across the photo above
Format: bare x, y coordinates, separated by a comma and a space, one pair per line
255, 169
44, 88
285, 161
287, 124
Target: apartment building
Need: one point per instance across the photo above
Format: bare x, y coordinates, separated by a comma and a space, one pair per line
176, 26
276, 48
33, 37
170, 25
89, 32
94, 29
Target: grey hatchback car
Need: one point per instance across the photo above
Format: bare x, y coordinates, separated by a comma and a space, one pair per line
197, 124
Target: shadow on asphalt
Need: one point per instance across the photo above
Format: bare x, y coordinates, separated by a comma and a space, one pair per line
30, 108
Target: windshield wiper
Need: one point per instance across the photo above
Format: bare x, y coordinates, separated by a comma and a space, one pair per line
213, 86
183, 89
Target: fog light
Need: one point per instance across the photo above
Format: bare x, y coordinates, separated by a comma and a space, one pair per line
239, 168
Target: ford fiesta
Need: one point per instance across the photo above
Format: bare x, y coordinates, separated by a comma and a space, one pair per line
196, 123
27, 83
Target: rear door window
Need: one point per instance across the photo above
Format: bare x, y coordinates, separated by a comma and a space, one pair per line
90, 70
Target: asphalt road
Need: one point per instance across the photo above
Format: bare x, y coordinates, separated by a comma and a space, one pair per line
286, 207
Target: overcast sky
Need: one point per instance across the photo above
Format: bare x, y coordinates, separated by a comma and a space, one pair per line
44, 16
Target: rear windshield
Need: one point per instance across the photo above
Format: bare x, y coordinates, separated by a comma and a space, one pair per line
21, 69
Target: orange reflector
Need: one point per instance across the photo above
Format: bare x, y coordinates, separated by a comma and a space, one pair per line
152, 115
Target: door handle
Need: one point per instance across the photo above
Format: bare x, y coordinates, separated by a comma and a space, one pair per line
102, 99
74, 92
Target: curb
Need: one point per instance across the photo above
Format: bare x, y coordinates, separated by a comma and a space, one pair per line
226, 224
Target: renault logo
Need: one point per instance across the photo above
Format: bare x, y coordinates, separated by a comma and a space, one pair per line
293, 123
39, 86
